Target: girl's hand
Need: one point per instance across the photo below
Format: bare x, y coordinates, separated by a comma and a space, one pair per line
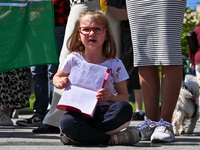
60, 80
62, 83
104, 95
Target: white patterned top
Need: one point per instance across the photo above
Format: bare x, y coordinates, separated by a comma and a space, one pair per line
72, 2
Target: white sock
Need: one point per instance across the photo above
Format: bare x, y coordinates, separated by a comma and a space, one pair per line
140, 111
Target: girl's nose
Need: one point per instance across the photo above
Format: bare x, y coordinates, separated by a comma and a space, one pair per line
92, 32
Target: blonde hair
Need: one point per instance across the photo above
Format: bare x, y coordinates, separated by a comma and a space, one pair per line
109, 46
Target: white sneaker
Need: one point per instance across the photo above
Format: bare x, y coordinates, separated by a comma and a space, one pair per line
146, 129
163, 132
5, 120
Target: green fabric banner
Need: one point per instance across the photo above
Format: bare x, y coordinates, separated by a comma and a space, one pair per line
26, 34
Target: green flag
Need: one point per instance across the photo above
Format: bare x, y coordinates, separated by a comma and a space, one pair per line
26, 34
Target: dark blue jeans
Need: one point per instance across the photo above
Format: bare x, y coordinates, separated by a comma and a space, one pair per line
42, 76
92, 130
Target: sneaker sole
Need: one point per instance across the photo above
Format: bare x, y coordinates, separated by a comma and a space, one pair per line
46, 132
7, 124
161, 141
157, 140
28, 125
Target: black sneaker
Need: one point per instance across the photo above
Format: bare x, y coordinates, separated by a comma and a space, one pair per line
34, 121
137, 116
45, 128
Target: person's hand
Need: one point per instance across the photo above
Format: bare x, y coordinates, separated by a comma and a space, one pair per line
192, 65
62, 83
104, 95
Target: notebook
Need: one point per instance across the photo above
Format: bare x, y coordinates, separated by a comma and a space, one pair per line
80, 96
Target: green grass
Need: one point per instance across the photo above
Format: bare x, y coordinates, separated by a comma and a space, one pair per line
31, 101
134, 106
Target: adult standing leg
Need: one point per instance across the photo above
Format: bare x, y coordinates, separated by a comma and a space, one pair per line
52, 127
40, 78
156, 37
133, 84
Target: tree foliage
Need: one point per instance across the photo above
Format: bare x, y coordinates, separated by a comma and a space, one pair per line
190, 22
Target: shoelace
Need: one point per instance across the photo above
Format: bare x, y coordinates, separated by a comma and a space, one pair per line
161, 125
148, 122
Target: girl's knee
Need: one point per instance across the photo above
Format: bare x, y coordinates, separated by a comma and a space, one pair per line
122, 109
125, 106
67, 121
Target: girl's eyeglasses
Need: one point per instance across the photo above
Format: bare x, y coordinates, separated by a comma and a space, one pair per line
96, 29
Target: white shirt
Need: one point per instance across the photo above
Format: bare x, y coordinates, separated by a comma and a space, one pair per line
118, 72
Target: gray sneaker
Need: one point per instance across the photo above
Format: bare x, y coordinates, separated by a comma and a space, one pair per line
66, 140
5, 120
129, 136
163, 132
146, 129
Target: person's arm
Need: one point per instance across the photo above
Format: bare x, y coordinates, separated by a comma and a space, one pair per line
191, 59
121, 95
60, 80
191, 55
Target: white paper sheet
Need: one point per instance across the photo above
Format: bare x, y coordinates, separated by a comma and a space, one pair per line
85, 80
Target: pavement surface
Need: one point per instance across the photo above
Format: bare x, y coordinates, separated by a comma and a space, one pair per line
22, 138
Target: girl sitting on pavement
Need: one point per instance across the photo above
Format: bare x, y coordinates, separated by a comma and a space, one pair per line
92, 42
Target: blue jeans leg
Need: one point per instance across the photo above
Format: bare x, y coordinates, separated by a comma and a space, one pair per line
92, 130
39, 75
52, 69
43, 76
